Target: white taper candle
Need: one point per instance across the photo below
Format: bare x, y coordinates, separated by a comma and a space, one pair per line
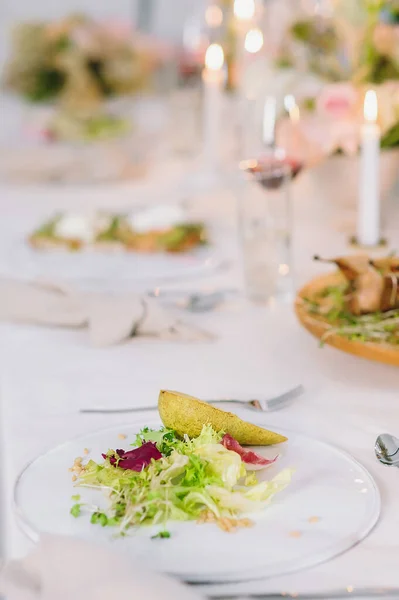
213, 78
244, 12
368, 224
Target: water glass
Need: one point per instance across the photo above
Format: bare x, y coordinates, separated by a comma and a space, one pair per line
185, 121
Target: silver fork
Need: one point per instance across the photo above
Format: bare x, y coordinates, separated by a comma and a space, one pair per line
267, 405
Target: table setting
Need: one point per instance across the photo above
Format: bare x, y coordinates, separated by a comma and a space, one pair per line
198, 380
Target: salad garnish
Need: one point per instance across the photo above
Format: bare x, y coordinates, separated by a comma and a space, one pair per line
134, 460
114, 230
252, 460
168, 478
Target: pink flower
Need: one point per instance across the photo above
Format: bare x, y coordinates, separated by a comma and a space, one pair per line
157, 49
300, 141
337, 101
117, 29
315, 138
83, 37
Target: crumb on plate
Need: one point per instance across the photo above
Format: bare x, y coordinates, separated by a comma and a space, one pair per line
313, 519
226, 524
295, 534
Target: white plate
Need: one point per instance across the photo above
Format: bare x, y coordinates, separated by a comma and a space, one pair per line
328, 484
93, 269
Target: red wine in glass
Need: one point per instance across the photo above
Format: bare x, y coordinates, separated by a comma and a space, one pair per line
272, 171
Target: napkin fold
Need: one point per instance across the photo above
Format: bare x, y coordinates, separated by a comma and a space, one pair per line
110, 319
66, 568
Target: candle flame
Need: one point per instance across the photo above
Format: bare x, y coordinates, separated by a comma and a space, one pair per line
370, 106
214, 16
292, 108
214, 57
289, 102
244, 9
254, 41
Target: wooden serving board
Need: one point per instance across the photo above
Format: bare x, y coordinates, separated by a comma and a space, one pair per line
318, 326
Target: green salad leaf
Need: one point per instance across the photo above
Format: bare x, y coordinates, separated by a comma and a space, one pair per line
75, 510
47, 229
192, 477
161, 534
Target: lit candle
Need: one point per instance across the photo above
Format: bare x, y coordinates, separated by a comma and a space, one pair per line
213, 16
213, 79
290, 135
254, 41
244, 12
368, 224
292, 109
246, 99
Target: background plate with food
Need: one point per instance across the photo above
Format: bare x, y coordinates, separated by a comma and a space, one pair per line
149, 245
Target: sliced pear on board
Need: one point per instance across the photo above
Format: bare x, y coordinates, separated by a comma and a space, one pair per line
389, 264
187, 415
350, 266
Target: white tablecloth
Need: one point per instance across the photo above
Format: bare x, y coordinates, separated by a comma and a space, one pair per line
46, 375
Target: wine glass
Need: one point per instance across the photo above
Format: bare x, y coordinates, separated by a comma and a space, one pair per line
265, 214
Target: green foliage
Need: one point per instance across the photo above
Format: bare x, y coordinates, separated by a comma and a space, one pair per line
284, 62
48, 83
309, 104
320, 39
46, 63
391, 138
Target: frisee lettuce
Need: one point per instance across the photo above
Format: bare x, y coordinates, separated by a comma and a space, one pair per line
193, 476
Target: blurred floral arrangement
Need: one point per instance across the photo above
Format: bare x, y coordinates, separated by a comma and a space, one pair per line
77, 64
335, 54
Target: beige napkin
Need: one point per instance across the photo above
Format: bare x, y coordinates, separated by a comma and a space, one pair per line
110, 319
65, 568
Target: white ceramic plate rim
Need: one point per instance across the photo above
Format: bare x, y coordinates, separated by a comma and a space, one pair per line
344, 545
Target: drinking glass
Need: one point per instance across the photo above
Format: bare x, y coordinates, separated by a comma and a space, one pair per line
185, 105
265, 223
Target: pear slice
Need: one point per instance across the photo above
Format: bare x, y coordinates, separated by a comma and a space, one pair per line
187, 415
350, 266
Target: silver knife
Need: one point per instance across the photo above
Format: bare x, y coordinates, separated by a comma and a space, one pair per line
375, 592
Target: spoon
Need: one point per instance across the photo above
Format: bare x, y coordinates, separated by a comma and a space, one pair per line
386, 449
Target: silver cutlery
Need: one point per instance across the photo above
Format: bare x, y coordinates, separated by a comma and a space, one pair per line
383, 592
267, 405
386, 449
193, 301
